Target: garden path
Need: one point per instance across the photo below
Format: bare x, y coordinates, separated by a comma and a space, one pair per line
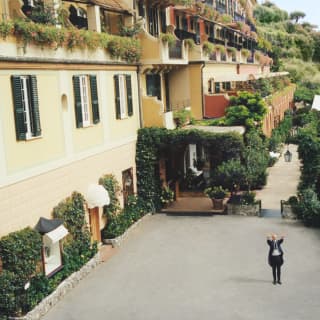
282, 183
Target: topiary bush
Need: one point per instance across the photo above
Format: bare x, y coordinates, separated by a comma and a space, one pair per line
110, 183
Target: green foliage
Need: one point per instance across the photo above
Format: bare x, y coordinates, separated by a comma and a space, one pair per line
208, 48
167, 195
246, 198
280, 134
216, 192
230, 175
247, 109
256, 160
43, 13
20, 252
190, 43
266, 14
130, 31
296, 15
77, 248
127, 48
110, 183
168, 38
308, 207
181, 117
7, 293
152, 141
117, 224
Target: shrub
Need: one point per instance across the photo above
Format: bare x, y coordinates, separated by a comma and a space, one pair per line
20, 252
181, 117
308, 208
230, 175
247, 198
118, 223
110, 183
168, 38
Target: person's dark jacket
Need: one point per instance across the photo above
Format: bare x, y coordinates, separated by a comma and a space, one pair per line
271, 246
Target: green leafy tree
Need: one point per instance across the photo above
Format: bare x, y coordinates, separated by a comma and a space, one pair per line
230, 175
246, 109
297, 15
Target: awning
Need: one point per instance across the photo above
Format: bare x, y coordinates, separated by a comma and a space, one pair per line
47, 225
217, 129
316, 103
246, 76
57, 234
97, 196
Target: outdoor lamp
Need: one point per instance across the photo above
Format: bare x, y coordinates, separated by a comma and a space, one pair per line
288, 156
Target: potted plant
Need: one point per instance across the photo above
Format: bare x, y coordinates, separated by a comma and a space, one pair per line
167, 196
216, 194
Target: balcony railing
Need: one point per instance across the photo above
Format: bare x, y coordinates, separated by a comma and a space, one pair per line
223, 57
250, 59
182, 34
213, 56
175, 52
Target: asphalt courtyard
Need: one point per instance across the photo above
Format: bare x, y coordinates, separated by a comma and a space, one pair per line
201, 267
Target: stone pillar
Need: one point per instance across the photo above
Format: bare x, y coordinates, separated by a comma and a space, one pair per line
94, 23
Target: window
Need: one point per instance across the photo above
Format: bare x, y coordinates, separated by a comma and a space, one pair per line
86, 100
153, 84
26, 107
217, 87
123, 96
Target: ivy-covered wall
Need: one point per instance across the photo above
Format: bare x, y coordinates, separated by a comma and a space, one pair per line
153, 142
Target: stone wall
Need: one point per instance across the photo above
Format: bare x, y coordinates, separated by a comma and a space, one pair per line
244, 210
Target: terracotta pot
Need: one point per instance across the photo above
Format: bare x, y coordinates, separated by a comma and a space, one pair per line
217, 204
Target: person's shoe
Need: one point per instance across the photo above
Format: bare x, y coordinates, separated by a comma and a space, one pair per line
279, 282
274, 282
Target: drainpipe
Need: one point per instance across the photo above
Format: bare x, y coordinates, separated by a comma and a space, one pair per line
139, 96
202, 95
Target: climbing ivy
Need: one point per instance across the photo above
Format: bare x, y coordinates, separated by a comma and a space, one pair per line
154, 142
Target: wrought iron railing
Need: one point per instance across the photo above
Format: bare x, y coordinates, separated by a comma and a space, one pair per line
182, 34
175, 51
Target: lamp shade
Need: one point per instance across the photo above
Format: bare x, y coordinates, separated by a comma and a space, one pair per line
97, 196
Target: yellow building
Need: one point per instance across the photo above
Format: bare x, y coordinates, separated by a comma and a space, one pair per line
68, 116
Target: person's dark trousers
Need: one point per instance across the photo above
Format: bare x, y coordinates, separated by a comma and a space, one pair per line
276, 268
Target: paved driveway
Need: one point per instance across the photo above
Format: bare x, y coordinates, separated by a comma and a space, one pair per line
199, 268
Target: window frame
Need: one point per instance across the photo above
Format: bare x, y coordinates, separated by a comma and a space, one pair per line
85, 100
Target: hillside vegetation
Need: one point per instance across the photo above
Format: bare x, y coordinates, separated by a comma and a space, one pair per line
293, 45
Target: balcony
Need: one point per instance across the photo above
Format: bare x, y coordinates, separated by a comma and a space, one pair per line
153, 114
182, 34
156, 51
175, 52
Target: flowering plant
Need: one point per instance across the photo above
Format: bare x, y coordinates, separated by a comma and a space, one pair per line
167, 195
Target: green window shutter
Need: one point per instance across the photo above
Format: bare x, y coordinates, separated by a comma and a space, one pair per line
94, 99
77, 101
117, 96
21, 128
34, 99
129, 95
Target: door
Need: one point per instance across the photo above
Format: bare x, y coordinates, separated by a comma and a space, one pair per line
95, 224
127, 183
